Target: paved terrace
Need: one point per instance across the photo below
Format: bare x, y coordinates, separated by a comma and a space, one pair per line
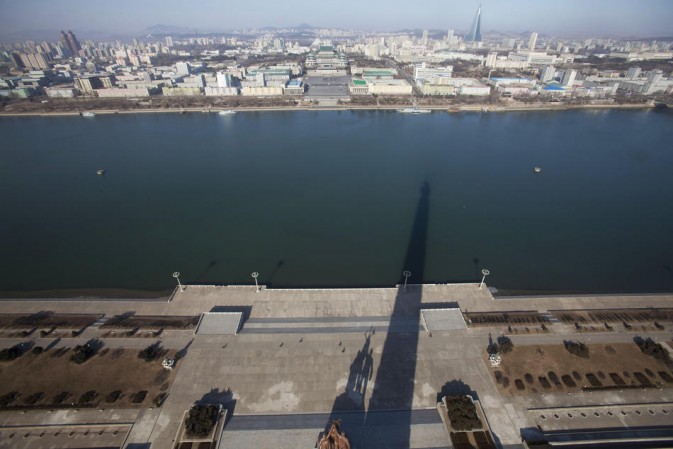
306, 356
317, 303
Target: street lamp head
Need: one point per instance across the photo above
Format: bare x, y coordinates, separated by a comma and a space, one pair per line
485, 272
406, 273
254, 274
176, 274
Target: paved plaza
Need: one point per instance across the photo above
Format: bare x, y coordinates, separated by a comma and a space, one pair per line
327, 86
303, 357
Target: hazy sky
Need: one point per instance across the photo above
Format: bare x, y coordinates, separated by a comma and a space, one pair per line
559, 17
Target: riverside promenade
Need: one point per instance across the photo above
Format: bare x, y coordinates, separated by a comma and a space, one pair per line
303, 357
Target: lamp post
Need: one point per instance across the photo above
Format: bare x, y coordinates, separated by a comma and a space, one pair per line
485, 272
406, 274
254, 276
176, 275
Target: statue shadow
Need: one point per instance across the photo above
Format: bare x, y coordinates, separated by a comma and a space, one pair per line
225, 398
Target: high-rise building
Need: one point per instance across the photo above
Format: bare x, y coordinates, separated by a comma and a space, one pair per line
279, 43
655, 76
532, 41
474, 35
633, 73
15, 57
183, 68
169, 41
224, 79
569, 77
449, 36
425, 37
70, 42
547, 74
491, 59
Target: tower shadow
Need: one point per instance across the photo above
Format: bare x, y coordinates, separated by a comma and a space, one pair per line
394, 384
386, 419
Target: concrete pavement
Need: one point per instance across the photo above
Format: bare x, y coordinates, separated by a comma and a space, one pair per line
317, 352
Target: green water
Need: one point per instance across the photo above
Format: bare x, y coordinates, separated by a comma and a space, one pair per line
328, 199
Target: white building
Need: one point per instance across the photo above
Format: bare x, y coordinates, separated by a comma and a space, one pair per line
430, 74
224, 79
183, 68
358, 87
493, 61
547, 74
633, 73
212, 91
533, 57
642, 56
532, 41
436, 89
61, 92
389, 87
181, 91
262, 91
117, 92
466, 86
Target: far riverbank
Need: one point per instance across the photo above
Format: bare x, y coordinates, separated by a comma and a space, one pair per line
519, 107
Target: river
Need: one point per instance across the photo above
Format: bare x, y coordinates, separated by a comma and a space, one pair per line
329, 198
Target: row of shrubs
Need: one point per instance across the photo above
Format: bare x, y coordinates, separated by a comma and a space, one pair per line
639, 380
89, 398
81, 353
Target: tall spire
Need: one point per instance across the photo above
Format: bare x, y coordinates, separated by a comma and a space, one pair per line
474, 34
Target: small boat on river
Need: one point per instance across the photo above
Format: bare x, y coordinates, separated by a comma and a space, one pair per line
414, 111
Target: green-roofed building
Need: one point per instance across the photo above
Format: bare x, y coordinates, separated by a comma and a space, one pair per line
379, 73
358, 86
326, 58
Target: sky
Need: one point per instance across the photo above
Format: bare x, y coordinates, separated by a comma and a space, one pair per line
621, 18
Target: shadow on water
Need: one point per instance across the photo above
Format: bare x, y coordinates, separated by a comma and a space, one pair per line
477, 268
393, 388
200, 278
279, 264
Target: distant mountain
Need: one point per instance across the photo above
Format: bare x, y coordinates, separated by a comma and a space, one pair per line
167, 29
658, 39
305, 26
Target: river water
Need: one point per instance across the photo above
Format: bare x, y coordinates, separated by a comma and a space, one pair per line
329, 198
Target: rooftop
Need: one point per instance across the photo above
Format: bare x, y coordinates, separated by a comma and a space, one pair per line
381, 72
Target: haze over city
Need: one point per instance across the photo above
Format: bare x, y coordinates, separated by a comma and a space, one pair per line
617, 18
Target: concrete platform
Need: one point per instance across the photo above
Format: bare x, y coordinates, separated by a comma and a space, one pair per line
219, 323
318, 351
443, 319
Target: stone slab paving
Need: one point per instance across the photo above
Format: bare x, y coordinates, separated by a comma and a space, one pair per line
443, 319
371, 429
219, 323
307, 351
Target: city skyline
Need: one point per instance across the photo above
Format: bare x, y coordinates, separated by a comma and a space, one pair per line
617, 18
